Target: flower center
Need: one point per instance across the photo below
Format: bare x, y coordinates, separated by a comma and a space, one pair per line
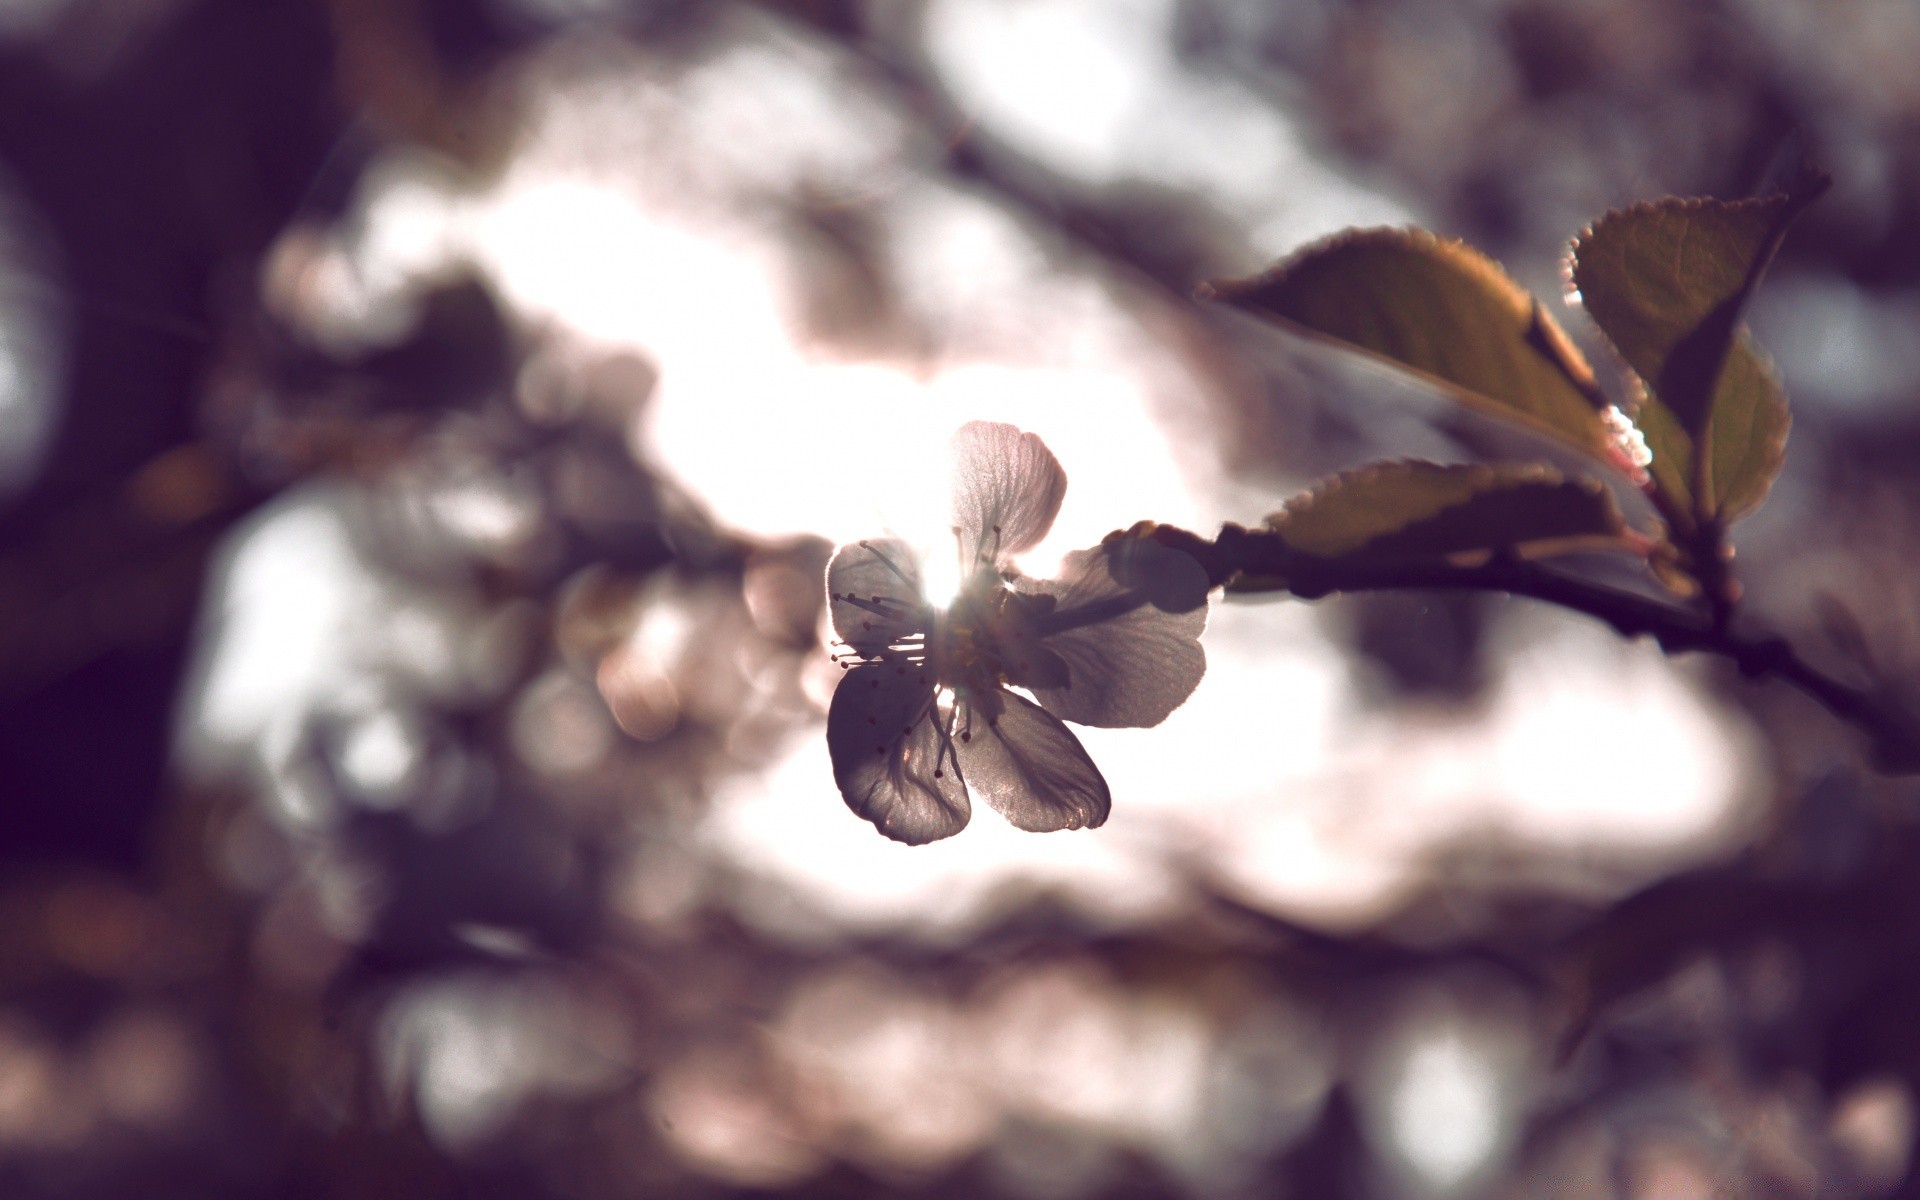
986, 637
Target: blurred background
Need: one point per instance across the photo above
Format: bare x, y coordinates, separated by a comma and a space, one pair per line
424, 424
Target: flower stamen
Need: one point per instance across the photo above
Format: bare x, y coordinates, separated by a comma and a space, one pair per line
913, 585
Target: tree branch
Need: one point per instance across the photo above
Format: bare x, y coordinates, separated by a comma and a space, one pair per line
1260, 560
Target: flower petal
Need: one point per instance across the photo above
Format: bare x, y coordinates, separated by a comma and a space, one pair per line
1025, 763
891, 759
1007, 488
873, 592
1126, 622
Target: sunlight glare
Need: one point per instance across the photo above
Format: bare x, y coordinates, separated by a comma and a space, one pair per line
287, 593
581, 253
1622, 751
1010, 61
775, 440
1447, 1115
309, 647
941, 577
1094, 88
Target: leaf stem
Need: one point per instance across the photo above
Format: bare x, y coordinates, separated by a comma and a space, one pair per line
1261, 561
1713, 567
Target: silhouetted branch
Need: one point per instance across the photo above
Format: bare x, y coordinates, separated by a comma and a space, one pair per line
1242, 554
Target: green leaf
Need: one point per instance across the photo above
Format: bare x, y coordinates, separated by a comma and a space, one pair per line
1668, 282
1747, 433
1443, 310
1419, 510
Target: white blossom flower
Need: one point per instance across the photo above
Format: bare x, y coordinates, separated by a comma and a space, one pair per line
927, 711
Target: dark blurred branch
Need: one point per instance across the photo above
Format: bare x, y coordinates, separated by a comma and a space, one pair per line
1262, 555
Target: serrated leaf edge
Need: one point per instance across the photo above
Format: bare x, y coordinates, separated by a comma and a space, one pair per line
1567, 356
